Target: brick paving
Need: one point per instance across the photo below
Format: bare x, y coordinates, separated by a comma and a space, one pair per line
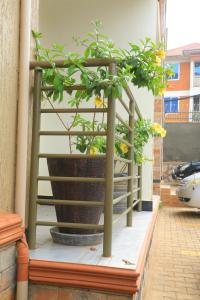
174, 259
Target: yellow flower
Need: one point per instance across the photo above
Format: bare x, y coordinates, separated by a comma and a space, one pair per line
158, 60
124, 148
163, 133
161, 54
141, 159
159, 129
169, 73
162, 91
93, 150
98, 101
155, 127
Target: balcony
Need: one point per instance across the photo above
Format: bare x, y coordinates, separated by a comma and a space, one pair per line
182, 117
196, 81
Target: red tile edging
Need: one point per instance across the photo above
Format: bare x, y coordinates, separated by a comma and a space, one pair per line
83, 276
146, 245
10, 229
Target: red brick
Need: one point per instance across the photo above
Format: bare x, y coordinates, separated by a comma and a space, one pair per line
40, 292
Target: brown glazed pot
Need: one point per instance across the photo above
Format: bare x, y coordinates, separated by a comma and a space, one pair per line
77, 167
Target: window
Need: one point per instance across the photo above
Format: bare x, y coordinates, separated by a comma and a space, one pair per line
197, 69
171, 105
196, 103
196, 74
175, 69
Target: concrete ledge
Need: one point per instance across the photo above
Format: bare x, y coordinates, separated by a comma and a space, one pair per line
10, 229
92, 277
83, 276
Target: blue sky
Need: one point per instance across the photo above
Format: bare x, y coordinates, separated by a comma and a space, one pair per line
183, 22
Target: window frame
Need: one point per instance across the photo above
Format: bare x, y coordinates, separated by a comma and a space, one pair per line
171, 99
193, 104
194, 68
171, 77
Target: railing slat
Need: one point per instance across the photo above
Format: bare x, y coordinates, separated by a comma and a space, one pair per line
119, 179
73, 110
140, 188
124, 141
131, 97
109, 186
125, 107
123, 122
118, 199
125, 212
58, 155
70, 202
130, 166
94, 62
73, 133
127, 161
69, 225
68, 179
34, 158
65, 88
122, 214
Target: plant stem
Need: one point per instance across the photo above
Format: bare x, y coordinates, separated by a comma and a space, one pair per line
67, 128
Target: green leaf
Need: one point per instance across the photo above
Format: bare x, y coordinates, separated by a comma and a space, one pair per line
87, 52
36, 34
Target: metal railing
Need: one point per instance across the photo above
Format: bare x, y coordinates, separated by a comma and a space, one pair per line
196, 81
182, 117
109, 179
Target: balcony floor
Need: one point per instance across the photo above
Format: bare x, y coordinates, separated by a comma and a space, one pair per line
127, 243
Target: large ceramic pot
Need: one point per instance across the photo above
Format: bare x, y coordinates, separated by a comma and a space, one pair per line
77, 167
120, 188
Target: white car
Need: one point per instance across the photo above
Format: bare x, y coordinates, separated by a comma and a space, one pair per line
189, 190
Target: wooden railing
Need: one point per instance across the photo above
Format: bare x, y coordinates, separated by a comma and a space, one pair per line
109, 180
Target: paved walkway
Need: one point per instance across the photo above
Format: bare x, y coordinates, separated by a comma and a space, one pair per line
174, 262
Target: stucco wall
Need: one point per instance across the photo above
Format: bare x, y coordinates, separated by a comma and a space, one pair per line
183, 83
9, 44
123, 21
182, 142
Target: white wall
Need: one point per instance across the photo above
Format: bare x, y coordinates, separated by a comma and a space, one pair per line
123, 21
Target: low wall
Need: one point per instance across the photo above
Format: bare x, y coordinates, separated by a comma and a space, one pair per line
10, 233
182, 142
7, 272
60, 293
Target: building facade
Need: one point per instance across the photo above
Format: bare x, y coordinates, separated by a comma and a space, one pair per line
182, 99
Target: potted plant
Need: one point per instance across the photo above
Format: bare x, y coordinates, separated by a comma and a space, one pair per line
139, 65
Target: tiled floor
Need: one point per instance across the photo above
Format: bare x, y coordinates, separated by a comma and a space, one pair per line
174, 261
127, 242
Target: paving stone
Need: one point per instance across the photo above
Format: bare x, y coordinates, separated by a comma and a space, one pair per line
174, 270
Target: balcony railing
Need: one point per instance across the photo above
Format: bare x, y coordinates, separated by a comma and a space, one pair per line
196, 81
134, 191
182, 117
